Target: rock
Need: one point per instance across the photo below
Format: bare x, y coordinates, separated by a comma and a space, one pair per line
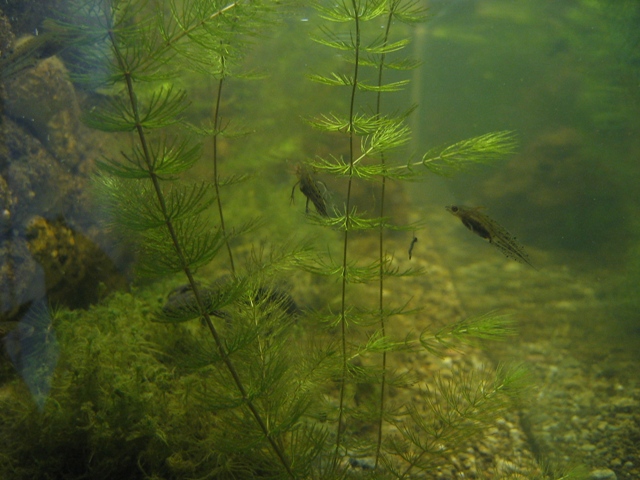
602, 474
43, 100
6, 206
7, 38
51, 241
74, 266
21, 279
36, 184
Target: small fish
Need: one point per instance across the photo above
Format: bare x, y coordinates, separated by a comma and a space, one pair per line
413, 242
490, 230
313, 189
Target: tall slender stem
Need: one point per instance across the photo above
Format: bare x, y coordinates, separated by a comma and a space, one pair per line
343, 306
216, 178
142, 136
383, 183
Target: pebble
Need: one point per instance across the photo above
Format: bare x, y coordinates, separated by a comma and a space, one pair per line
602, 474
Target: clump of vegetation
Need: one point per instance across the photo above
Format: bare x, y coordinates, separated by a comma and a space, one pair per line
231, 379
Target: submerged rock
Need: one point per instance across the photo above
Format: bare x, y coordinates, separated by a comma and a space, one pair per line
602, 474
43, 100
51, 241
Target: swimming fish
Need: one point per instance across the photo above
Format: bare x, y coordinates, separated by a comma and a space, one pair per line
413, 243
313, 189
490, 230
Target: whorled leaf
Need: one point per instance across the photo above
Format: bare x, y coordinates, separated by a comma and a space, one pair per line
167, 160
490, 326
160, 109
458, 157
333, 80
386, 87
391, 134
379, 47
410, 11
362, 123
398, 64
133, 204
159, 256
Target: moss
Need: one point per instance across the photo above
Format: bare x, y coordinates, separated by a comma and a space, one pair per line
105, 409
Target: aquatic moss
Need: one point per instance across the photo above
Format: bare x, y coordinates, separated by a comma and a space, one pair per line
105, 412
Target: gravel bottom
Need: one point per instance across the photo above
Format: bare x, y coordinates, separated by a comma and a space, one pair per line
584, 360
504, 450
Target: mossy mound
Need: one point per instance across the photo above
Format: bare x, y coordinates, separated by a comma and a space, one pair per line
107, 393
106, 411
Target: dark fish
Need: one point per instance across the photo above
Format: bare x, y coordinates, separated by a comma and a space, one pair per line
490, 230
278, 297
413, 242
313, 189
33, 349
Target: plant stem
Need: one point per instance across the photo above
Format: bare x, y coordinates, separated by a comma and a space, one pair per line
343, 306
183, 261
383, 183
216, 178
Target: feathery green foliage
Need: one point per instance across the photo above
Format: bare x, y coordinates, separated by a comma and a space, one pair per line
217, 39
454, 158
172, 234
220, 380
489, 326
372, 140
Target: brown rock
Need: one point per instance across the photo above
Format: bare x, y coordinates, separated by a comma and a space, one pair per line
73, 266
43, 100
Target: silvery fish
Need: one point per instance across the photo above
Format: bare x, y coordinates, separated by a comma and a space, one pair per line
490, 230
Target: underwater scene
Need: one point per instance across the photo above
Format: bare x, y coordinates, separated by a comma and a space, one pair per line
330, 239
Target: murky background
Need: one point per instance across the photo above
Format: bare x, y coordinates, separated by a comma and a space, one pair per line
565, 76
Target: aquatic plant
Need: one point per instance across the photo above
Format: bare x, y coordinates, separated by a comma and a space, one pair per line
242, 392
371, 140
162, 217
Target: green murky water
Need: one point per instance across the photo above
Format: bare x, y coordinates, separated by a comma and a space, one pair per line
565, 76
